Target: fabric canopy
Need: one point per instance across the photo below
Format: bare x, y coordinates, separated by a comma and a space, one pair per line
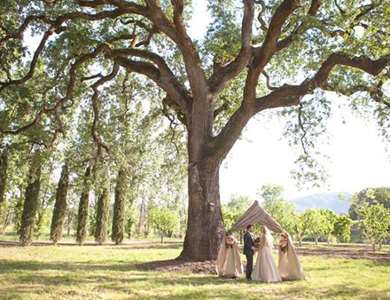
255, 214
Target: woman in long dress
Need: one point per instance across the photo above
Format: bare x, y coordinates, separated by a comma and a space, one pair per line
229, 261
289, 266
265, 269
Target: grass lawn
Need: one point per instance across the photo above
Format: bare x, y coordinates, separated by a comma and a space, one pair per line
111, 272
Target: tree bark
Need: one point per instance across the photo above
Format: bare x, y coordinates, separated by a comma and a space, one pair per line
205, 227
141, 228
60, 206
119, 208
82, 216
102, 216
31, 201
3, 174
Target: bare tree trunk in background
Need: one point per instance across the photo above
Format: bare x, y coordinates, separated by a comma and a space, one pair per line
142, 218
31, 201
82, 217
7, 221
60, 206
118, 221
3, 175
102, 215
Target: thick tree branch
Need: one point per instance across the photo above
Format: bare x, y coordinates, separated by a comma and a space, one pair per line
95, 106
262, 54
33, 63
18, 34
224, 74
55, 26
314, 7
268, 81
161, 74
289, 95
61, 103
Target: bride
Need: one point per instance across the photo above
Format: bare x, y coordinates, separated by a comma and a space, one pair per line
265, 269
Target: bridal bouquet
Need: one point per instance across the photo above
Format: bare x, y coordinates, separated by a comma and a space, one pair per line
283, 243
257, 242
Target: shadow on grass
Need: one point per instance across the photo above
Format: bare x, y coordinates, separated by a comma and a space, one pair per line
171, 245
7, 266
133, 277
128, 246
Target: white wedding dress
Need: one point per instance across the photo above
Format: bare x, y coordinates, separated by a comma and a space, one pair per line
265, 269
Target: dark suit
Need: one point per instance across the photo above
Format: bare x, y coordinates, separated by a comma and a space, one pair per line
248, 244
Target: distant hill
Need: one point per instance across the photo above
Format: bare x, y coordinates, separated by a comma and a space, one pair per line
330, 201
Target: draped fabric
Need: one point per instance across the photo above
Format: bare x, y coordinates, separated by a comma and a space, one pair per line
289, 266
229, 260
255, 214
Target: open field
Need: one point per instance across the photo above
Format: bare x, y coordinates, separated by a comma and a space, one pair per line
121, 272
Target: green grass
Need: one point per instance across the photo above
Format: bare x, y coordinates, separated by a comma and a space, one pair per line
111, 272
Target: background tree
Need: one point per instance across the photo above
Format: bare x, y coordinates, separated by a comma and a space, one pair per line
342, 228
317, 223
300, 226
82, 216
130, 221
60, 206
102, 213
118, 218
31, 199
3, 175
164, 221
369, 196
375, 223
234, 208
328, 225
282, 210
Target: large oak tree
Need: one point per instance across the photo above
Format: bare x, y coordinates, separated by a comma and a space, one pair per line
303, 45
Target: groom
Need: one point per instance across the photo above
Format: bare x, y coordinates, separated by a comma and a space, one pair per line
249, 250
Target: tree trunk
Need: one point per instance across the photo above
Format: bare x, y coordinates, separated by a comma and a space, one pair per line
142, 218
102, 216
82, 216
31, 201
205, 227
119, 209
18, 211
7, 221
59, 211
3, 175
316, 240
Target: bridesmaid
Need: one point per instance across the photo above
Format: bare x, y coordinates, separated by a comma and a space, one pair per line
229, 261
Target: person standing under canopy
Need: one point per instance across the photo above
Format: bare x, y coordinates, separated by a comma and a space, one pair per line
229, 261
265, 269
289, 266
249, 247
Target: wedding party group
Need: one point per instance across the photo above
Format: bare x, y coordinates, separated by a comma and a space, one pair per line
229, 263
